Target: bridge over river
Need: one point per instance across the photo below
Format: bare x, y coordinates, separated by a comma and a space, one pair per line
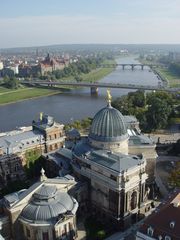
132, 65
95, 85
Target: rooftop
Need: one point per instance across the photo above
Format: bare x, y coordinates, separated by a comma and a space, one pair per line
165, 221
116, 161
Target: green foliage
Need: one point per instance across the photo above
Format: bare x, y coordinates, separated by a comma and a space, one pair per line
153, 110
83, 124
174, 178
158, 114
175, 68
11, 82
95, 229
33, 162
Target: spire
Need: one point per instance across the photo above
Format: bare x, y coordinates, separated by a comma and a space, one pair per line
109, 97
43, 176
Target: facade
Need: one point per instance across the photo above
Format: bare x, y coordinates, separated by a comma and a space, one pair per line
11, 169
45, 211
117, 181
45, 136
164, 223
51, 64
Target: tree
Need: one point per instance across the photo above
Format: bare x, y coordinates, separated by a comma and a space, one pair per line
158, 114
11, 82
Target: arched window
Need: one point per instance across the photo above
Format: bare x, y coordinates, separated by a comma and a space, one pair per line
134, 200
150, 231
167, 238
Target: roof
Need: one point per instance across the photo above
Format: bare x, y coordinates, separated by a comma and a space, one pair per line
17, 142
165, 221
115, 161
47, 205
108, 125
140, 140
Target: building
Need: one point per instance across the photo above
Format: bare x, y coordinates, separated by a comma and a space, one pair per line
163, 223
45, 136
45, 211
117, 181
11, 169
50, 64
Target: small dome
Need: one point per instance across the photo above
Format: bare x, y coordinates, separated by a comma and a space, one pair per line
108, 125
48, 204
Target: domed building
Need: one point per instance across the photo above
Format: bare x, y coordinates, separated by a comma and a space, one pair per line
108, 130
117, 181
45, 211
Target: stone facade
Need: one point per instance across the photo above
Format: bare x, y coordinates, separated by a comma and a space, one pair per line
20, 228
11, 169
45, 136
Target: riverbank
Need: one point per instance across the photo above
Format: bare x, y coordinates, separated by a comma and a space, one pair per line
172, 79
8, 96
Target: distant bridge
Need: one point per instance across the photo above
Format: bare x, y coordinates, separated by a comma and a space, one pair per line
132, 65
94, 86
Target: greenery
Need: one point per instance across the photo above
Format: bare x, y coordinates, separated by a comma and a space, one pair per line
172, 78
11, 82
80, 125
95, 229
82, 66
153, 110
33, 163
11, 95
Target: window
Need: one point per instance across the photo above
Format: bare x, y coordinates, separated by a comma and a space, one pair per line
28, 233
150, 231
134, 200
45, 236
167, 238
172, 224
55, 136
113, 177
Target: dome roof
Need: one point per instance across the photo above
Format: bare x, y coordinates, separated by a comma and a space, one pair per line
108, 125
47, 204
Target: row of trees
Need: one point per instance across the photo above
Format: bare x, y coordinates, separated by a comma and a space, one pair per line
84, 65
175, 68
153, 110
11, 82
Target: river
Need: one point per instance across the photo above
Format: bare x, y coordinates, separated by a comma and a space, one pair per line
74, 104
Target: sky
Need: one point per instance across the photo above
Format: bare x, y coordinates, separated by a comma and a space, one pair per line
25, 23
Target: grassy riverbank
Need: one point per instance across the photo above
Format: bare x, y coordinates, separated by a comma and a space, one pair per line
171, 78
15, 95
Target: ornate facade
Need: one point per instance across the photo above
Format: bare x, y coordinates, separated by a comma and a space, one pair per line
45, 136
45, 211
117, 181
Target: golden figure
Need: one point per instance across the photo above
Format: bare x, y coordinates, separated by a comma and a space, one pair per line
109, 97
41, 116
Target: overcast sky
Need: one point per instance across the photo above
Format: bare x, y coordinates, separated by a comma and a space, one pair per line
47, 22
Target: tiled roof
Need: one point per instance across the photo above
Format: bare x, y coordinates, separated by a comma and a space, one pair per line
165, 221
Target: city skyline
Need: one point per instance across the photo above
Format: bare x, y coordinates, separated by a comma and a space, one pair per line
33, 23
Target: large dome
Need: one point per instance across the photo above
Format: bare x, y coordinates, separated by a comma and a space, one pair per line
108, 125
47, 204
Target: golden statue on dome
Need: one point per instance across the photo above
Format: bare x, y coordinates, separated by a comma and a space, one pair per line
109, 97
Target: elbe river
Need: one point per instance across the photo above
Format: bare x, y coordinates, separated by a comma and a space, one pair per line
74, 104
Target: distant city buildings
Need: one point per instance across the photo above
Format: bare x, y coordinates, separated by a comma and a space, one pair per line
33, 68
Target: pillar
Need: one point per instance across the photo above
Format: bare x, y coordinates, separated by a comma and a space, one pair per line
94, 90
142, 67
132, 66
